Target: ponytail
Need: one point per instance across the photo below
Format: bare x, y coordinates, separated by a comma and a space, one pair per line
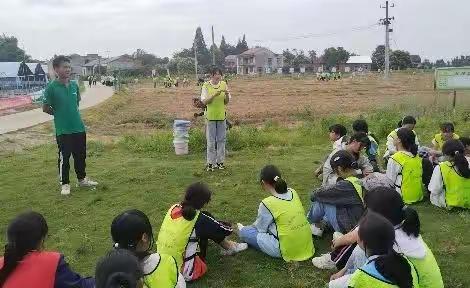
395, 268
411, 224
280, 185
271, 175
118, 269
462, 165
456, 150
197, 195
11, 259
408, 140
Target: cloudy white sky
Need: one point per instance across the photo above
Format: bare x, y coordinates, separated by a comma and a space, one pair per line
432, 28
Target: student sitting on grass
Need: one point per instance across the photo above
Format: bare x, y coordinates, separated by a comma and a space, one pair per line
131, 230
337, 135
356, 144
281, 229
406, 170
373, 150
450, 182
447, 133
119, 269
26, 264
408, 122
186, 229
386, 202
339, 206
384, 267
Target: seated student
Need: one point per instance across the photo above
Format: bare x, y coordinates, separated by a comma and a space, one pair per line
131, 230
281, 229
372, 151
407, 237
339, 206
384, 267
405, 168
450, 182
356, 144
408, 122
119, 269
185, 232
26, 264
447, 133
339, 139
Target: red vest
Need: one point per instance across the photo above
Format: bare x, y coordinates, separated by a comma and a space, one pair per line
36, 270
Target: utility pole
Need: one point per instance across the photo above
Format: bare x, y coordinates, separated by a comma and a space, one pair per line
213, 47
195, 58
387, 21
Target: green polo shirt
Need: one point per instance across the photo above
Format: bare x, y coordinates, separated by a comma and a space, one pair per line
64, 102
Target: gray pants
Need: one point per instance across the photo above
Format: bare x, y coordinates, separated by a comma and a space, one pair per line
216, 132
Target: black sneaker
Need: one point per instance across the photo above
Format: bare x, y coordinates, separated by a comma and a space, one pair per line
220, 166
210, 168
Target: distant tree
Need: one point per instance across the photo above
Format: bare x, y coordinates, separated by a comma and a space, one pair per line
427, 64
148, 60
440, 63
203, 54
300, 58
9, 50
289, 58
226, 48
242, 45
334, 56
400, 60
312, 54
461, 61
219, 56
378, 58
184, 53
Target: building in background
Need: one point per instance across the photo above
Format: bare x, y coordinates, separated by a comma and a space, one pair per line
358, 64
22, 76
230, 64
259, 60
108, 66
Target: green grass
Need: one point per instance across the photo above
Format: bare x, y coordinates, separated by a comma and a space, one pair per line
142, 172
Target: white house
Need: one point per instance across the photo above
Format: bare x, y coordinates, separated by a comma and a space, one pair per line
358, 64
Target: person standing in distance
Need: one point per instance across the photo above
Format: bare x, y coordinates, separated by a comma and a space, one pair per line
61, 99
215, 95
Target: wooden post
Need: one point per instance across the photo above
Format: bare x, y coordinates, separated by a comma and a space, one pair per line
454, 100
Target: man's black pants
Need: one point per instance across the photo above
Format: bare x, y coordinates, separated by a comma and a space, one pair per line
75, 145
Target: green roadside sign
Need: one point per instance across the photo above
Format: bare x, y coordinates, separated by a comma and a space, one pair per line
452, 78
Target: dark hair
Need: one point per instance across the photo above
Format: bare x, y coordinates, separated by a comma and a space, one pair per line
214, 70
447, 127
343, 159
407, 120
456, 150
127, 230
271, 175
378, 236
118, 269
197, 195
59, 60
24, 234
465, 141
408, 140
360, 125
338, 129
360, 137
388, 203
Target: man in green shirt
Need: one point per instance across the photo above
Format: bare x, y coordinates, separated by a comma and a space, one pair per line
61, 99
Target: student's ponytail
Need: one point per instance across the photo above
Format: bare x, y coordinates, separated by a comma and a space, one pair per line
395, 268
411, 224
197, 195
271, 175
121, 280
118, 269
456, 150
408, 140
25, 234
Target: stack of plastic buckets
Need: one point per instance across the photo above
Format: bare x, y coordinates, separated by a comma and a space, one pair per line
181, 136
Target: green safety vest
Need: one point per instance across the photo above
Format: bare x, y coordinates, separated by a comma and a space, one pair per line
394, 134
293, 230
161, 274
412, 171
456, 187
174, 236
440, 140
362, 279
216, 109
428, 270
357, 185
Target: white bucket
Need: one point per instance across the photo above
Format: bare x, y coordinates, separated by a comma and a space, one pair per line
181, 148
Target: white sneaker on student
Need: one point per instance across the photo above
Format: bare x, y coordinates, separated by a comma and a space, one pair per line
240, 226
238, 247
65, 189
85, 182
323, 262
336, 235
316, 231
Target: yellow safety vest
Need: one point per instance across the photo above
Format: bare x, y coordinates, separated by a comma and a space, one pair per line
293, 230
174, 236
216, 109
456, 187
366, 277
357, 185
412, 172
440, 140
428, 270
160, 272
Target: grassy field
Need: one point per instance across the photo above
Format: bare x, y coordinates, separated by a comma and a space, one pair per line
130, 154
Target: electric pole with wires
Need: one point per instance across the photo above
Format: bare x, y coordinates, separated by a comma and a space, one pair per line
387, 21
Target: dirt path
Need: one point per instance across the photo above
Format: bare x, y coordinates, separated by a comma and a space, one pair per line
17, 121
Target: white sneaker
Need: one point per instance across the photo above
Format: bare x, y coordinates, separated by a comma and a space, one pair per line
324, 262
316, 231
240, 226
234, 250
337, 235
85, 182
65, 190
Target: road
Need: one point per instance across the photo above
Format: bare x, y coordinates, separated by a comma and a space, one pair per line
13, 122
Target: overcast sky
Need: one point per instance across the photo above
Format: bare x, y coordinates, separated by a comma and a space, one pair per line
431, 28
